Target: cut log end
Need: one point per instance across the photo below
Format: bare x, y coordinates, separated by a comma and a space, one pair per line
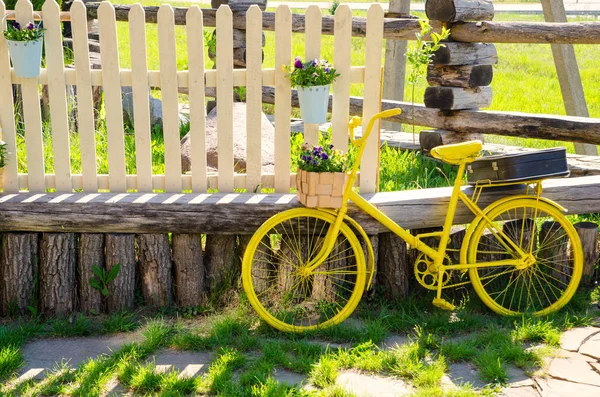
459, 10
428, 139
455, 53
465, 76
452, 98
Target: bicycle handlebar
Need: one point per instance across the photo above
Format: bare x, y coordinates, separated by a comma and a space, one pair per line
356, 121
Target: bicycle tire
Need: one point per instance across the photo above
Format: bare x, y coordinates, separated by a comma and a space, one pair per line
541, 230
284, 297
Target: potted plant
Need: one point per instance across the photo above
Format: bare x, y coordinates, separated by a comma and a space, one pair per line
312, 80
2, 162
25, 48
321, 176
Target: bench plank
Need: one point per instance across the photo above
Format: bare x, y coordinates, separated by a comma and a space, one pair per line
235, 213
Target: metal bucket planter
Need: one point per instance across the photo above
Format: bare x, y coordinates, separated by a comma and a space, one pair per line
26, 57
313, 103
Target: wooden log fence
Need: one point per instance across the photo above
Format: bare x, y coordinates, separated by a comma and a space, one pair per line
524, 125
405, 29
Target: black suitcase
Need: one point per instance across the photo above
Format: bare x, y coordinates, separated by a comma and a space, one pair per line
519, 167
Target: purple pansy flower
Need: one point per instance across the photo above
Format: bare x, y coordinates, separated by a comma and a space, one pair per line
315, 62
327, 70
16, 25
324, 156
298, 63
30, 26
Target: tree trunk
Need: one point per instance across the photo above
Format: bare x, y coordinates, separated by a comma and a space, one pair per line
120, 250
155, 268
588, 234
58, 263
262, 265
91, 253
18, 272
394, 266
288, 259
557, 254
222, 264
326, 286
189, 269
374, 240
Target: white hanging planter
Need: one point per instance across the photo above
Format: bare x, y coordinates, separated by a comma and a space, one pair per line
26, 57
313, 103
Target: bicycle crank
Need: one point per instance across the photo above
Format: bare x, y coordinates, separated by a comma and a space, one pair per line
426, 276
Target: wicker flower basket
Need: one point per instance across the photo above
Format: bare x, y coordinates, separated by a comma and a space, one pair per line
320, 189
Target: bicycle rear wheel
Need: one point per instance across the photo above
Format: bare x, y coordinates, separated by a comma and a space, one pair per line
277, 284
554, 249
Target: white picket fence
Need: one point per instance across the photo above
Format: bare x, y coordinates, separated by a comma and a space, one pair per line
112, 77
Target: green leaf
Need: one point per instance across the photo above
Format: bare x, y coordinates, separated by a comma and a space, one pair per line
113, 273
95, 284
98, 271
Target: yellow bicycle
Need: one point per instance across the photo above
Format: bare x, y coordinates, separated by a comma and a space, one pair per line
306, 268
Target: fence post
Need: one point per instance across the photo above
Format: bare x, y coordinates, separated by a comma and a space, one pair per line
568, 72
395, 63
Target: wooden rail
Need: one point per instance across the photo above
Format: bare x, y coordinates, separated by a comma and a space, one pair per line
405, 29
523, 125
214, 213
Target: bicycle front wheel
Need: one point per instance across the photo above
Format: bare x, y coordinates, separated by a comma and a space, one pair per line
555, 265
277, 284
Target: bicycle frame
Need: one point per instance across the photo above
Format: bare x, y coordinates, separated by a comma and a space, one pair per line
438, 254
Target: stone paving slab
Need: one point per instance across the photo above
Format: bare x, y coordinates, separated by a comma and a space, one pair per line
188, 363
460, 374
573, 339
573, 370
291, 378
394, 341
591, 347
526, 391
517, 378
42, 355
363, 385
549, 387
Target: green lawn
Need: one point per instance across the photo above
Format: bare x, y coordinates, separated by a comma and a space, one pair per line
247, 352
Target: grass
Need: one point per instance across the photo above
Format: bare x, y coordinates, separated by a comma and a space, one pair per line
247, 353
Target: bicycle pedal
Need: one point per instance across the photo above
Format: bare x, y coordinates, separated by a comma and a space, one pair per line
443, 304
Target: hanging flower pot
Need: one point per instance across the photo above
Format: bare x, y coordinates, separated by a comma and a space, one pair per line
312, 80
313, 103
25, 48
26, 57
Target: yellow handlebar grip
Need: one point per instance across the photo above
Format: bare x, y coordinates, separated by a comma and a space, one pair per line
355, 122
389, 113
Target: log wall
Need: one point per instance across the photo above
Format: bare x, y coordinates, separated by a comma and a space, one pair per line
158, 271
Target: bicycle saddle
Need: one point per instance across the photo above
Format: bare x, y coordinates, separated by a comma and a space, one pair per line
464, 152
